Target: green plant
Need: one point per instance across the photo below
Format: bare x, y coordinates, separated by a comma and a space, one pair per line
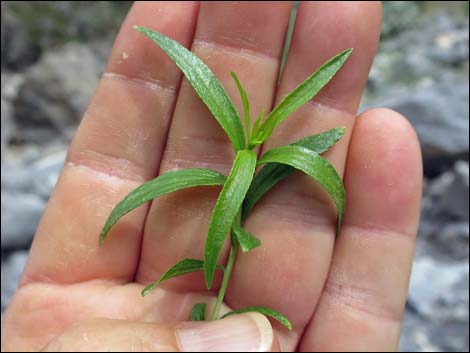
242, 188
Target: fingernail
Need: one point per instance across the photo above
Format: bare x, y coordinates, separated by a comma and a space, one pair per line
249, 332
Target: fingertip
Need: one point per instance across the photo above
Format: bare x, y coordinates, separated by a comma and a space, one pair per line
385, 114
384, 172
237, 333
265, 330
348, 25
392, 125
132, 55
247, 26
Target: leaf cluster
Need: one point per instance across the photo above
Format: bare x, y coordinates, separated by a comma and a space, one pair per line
242, 188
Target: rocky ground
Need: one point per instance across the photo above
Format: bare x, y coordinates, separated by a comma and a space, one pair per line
421, 70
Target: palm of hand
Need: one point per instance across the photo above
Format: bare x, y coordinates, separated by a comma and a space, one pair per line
352, 287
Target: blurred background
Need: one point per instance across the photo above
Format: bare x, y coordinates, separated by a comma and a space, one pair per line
53, 53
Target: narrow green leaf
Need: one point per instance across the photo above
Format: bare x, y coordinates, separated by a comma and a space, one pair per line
180, 268
321, 142
273, 173
254, 132
226, 208
263, 181
301, 95
199, 312
162, 185
206, 85
246, 104
265, 311
246, 240
312, 164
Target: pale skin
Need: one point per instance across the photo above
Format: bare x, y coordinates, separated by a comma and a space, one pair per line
341, 293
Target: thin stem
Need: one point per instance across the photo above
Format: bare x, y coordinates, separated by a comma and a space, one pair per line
247, 126
225, 281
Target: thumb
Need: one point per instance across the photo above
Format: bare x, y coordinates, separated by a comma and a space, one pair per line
237, 333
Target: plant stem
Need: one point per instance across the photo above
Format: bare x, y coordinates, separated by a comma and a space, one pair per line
225, 281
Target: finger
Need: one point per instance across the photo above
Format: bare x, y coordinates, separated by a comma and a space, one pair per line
295, 221
238, 333
363, 300
322, 30
243, 37
118, 145
68, 304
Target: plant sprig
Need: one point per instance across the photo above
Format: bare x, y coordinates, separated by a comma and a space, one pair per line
242, 188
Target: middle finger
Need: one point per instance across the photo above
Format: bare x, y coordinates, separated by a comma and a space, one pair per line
247, 38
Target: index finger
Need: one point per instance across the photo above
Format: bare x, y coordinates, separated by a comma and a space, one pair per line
118, 145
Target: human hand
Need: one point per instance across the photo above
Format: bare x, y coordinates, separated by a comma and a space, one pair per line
341, 293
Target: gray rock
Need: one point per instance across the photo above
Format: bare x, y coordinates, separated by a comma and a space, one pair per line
437, 289
450, 192
398, 16
17, 178
439, 335
12, 268
17, 51
451, 47
437, 44
444, 224
23, 153
422, 72
57, 91
451, 241
25, 190
451, 335
7, 125
462, 173
436, 316
439, 114
454, 231
49, 24
38, 177
47, 171
415, 334
10, 84
20, 217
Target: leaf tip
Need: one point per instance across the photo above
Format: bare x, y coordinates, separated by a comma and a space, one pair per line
105, 231
209, 280
146, 31
341, 130
338, 225
347, 52
147, 289
199, 312
209, 272
102, 237
344, 55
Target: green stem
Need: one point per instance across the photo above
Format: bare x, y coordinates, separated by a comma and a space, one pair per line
225, 281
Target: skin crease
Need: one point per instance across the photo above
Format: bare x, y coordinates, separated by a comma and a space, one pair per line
343, 293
